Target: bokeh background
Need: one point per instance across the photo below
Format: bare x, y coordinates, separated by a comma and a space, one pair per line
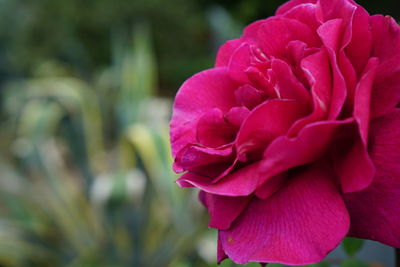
85, 97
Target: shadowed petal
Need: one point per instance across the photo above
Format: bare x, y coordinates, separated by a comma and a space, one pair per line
223, 210
386, 47
375, 211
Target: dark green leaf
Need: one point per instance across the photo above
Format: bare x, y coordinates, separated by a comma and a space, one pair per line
352, 245
353, 263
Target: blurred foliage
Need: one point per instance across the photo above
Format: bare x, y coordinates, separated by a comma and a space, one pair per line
352, 245
86, 178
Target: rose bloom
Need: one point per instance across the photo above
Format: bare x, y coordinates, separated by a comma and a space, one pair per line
293, 137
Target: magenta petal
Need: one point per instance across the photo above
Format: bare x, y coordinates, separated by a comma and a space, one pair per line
220, 251
292, 4
241, 182
353, 165
223, 210
359, 48
363, 98
304, 13
213, 130
317, 70
287, 84
339, 9
270, 186
386, 47
261, 126
276, 32
248, 96
331, 35
226, 51
300, 224
308, 146
204, 91
352, 162
193, 156
375, 211
237, 115
240, 61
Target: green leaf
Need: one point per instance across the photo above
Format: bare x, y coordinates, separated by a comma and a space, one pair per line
352, 245
353, 263
319, 264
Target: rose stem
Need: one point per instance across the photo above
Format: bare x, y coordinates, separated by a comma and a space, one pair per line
397, 252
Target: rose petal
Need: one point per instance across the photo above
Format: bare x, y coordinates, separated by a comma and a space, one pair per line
339, 9
299, 224
304, 13
363, 98
248, 96
226, 51
240, 61
237, 115
353, 165
292, 4
375, 211
220, 251
317, 69
273, 41
241, 182
194, 157
308, 146
204, 91
271, 186
223, 210
288, 86
359, 48
262, 125
213, 130
386, 47
331, 35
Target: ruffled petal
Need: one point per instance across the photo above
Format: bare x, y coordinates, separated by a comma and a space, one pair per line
353, 165
292, 4
241, 182
386, 47
359, 48
266, 122
223, 210
288, 86
309, 145
203, 160
226, 51
362, 100
200, 93
300, 224
331, 35
213, 130
317, 69
375, 211
237, 115
305, 13
273, 41
248, 96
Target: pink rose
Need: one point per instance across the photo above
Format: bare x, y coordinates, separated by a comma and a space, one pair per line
294, 136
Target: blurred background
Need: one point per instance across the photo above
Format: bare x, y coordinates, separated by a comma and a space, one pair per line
85, 97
